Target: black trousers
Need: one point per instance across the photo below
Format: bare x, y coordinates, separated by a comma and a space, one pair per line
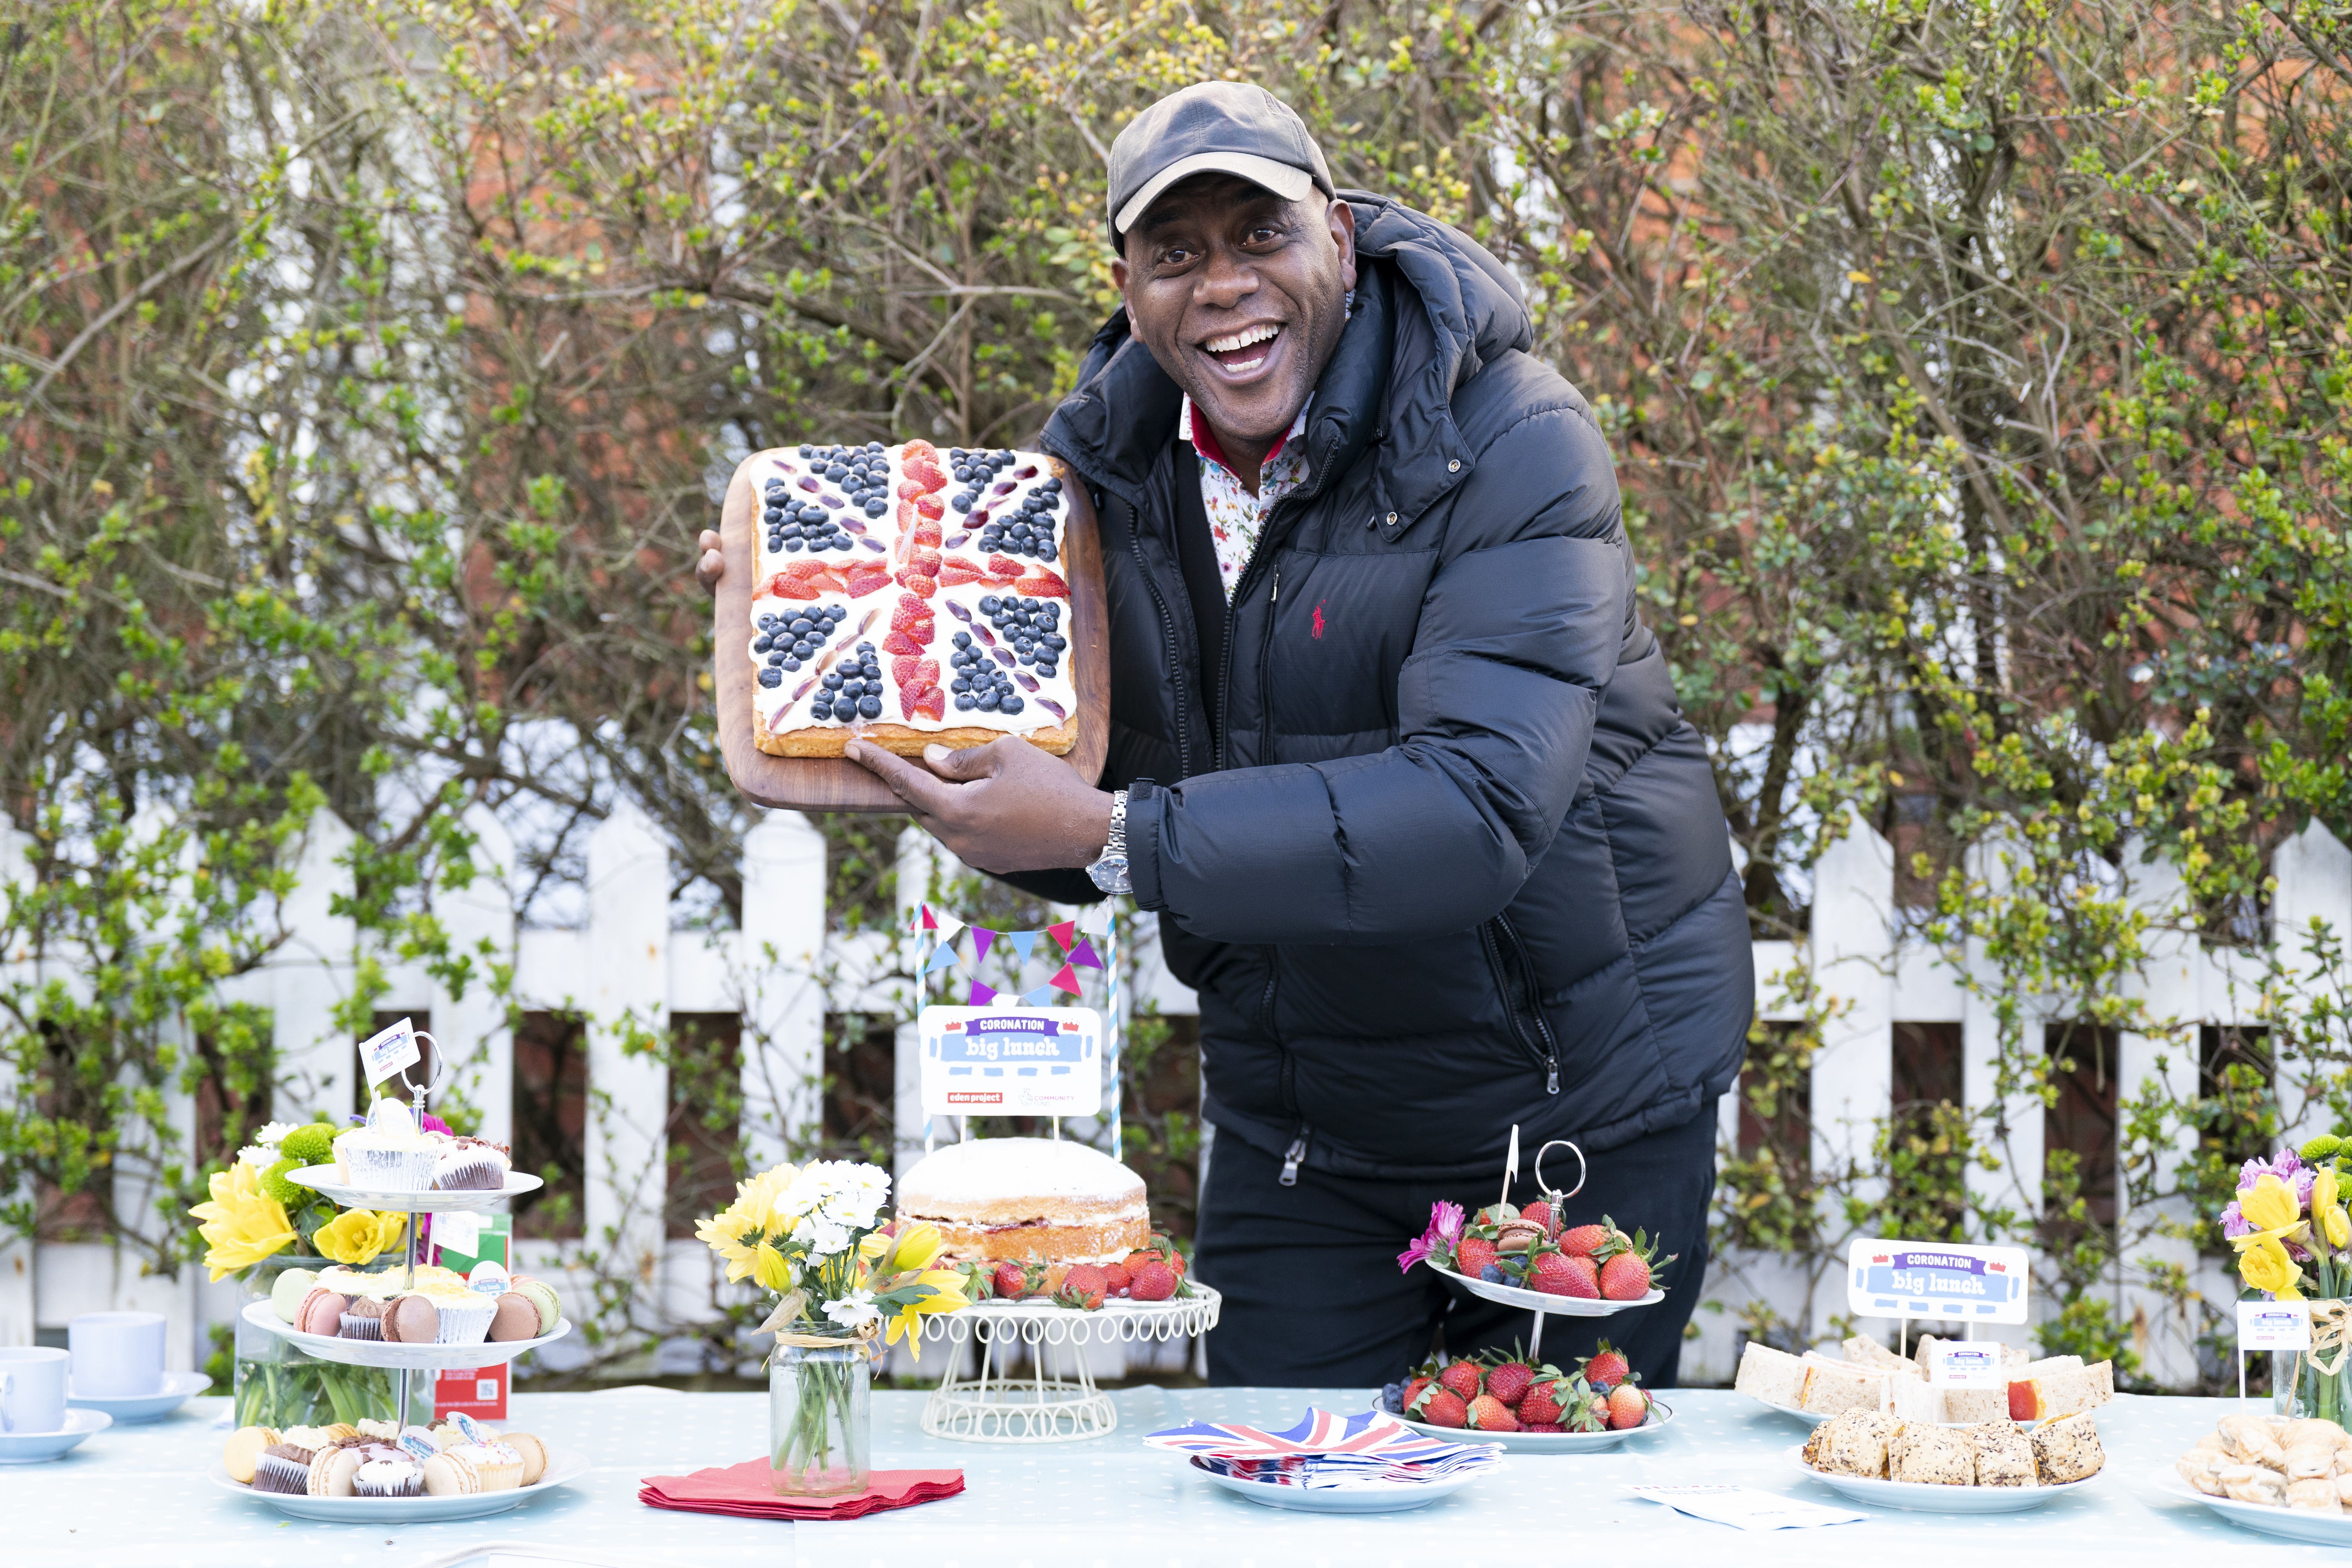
1314, 1298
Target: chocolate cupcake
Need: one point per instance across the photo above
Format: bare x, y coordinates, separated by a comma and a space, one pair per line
392, 1474
362, 1320
472, 1165
284, 1468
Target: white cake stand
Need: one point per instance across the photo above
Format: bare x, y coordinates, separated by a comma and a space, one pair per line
1056, 1400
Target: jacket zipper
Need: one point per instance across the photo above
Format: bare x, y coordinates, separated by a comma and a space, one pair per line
1167, 630
1265, 674
1547, 1052
1294, 1154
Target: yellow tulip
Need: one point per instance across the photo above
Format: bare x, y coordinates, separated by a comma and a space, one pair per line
947, 1296
2270, 1204
770, 1268
359, 1235
242, 1223
2264, 1266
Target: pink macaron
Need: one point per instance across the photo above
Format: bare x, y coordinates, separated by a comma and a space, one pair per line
322, 1312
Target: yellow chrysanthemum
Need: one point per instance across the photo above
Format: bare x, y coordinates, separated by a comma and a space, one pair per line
359, 1235
2270, 1204
241, 1225
2264, 1266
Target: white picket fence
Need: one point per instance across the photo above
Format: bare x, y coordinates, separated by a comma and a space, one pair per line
787, 967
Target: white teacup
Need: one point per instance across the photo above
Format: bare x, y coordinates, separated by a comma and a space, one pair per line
116, 1355
33, 1388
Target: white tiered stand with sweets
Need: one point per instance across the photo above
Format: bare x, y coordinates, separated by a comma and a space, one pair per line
405, 1360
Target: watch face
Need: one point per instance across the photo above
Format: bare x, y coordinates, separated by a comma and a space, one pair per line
1110, 873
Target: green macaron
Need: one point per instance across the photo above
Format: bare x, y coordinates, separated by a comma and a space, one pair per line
286, 1295
541, 1295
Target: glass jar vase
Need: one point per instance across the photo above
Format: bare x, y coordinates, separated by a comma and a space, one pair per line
2300, 1390
820, 1416
276, 1384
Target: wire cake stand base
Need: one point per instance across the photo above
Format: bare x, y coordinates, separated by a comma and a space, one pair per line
1055, 1399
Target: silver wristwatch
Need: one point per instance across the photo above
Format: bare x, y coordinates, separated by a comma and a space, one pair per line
1109, 871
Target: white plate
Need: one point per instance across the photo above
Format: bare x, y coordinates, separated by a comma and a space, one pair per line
406, 1510
130, 1409
1541, 1302
1917, 1497
1661, 1416
381, 1352
2295, 1523
1391, 1498
321, 1179
1810, 1418
39, 1447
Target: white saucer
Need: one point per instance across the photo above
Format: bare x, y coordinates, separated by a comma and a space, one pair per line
130, 1409
1543, 1301
2295, 1523
1917, 1497
1661, 1416
1810, 1418
323, 1178
374, 1511
1391, 1498
383, 1352
38, 1447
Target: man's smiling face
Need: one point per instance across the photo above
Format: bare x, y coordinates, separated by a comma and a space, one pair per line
1241, 297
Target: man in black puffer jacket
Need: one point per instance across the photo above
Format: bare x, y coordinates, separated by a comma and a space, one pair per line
1404, 775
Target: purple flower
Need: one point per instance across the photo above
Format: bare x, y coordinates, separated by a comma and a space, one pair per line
1438, 1241
2235, 1225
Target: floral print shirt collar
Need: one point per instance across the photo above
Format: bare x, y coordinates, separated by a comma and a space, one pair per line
1234, 514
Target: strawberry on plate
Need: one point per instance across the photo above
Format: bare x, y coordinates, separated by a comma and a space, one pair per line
1464, 1377
1605, 1368
864, 578
1627, 1407
912, 617
1040, 584
1440, 1407
1560, 1274
914, 671
898, 645
1003, 568
1626, 1263
1510, 1382
955, 571
1488, 1413
783, 587
1583, 1240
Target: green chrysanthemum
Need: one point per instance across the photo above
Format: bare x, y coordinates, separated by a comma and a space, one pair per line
312, 1145
279, 1190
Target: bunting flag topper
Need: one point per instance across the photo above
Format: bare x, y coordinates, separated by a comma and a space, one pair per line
1078, 949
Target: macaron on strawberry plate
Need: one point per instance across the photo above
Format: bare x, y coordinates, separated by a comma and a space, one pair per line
325, 1311
328, 1181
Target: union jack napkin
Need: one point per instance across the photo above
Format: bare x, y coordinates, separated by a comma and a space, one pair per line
1369, 1449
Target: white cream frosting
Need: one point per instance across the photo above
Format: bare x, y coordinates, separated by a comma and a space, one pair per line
999, 1168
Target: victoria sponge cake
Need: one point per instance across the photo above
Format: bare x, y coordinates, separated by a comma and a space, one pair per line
1028, 1200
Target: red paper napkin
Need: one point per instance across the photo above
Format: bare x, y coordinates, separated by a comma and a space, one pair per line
745, 1491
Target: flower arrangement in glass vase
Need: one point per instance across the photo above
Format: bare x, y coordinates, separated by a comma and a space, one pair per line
258, 1226
2293, 1241
843, 1280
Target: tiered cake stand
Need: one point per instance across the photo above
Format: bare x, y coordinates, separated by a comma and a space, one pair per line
403, 1360
1057, 1400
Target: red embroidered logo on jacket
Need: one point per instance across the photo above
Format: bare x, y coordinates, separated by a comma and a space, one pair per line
1318, 619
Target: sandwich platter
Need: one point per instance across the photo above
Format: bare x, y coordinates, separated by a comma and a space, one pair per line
2295, 1523
1918, 1497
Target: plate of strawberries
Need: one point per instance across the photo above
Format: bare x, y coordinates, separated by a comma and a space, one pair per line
1530, 1407
1527, 1258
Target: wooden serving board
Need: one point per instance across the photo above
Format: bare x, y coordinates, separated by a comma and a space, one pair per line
837, 784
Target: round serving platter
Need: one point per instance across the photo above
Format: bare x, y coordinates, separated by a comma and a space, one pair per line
131, 1409
2295, 1523
325, 1180
1543, 1301
406, 1510
1660, 1417
1915, 1497
383, 1352
1810, 1418
1393, 1496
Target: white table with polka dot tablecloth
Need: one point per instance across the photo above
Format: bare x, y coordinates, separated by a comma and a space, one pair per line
138, 1496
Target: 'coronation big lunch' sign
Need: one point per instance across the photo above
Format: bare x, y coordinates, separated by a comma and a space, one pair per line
1948, 1280
1011, 1061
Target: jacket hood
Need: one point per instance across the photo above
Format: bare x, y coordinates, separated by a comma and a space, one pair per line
1433, 308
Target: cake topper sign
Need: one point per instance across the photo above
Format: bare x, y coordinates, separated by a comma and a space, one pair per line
1011, 1061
